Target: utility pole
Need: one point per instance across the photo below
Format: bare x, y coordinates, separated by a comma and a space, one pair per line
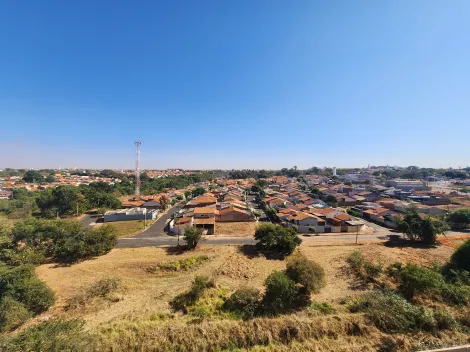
77, 208
145, 218
137, 167
357, 232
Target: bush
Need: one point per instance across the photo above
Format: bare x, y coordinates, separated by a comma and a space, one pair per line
21, 284
362, 267
192, 236
388, 311
459, 219
53, 335
22, 256
66, 241
82, 244
414, 279
457, 294
444, 320
244, 301
305, 272
190, 297
183, 264
461, 257
323, 308
12, 314
276, 238
101, 288
280, 295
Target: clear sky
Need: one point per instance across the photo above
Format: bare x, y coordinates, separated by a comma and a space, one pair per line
234, 84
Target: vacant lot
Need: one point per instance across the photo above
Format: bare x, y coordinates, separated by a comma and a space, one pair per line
129, 228
235, 229
144, 293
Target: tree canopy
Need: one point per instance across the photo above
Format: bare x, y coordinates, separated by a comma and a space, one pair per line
425, 229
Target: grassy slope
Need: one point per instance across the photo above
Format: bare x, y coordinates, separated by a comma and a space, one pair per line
142, 318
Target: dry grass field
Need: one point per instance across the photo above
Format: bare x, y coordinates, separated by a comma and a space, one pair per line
128, 228
235, 229
143, 293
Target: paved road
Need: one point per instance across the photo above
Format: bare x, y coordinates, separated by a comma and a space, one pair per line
89, 220
223, 240
155, 236
157, 229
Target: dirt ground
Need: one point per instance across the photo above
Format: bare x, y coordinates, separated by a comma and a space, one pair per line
235, 229
143, 293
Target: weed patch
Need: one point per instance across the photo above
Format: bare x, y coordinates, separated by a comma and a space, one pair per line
180, 265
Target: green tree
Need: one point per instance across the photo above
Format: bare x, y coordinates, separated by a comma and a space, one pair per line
415, 227
459, 219
33, 176
50, 178
187, 194
280, 295
461, 257
198, 192
277, 238
331, 200
192, 236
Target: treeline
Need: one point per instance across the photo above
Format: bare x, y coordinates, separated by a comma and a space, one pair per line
31, 242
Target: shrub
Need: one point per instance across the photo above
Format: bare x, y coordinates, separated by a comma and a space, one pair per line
395, 269
459, 219
362, 267
323, 308
52, 335
183, 264
192, 236
22, 285
415, 279
244, 301
457, 294
305, 272
82, 244
444, 319
190, 297
22, 256
461, 257
101, 288
277, 238
388, 311
280, 295
12, 314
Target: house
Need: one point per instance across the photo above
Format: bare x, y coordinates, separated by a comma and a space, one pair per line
204, 217
306, 221
133, 204
182, 223
151, 204
201, 201
234, 214
5, 194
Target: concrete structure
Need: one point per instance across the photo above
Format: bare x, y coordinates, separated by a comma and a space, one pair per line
130, 214
407, 184
334, 171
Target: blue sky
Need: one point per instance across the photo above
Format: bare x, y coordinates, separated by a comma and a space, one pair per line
234, 84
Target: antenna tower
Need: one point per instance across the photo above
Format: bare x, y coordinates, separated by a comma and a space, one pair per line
137, 167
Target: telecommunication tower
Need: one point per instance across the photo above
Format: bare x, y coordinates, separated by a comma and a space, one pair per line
137, 167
